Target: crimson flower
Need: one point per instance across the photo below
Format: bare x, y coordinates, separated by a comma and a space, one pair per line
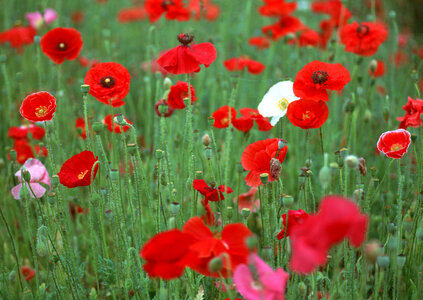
38, 107
277, 8
307, 38
284, 26
178, 92
306, 114
76, 171
211, 193
413, 111
173, 10
380, 69
208, 216
167, 264
230, 245
221, 116
131, 14
338, 13
18, 36
260, 42
245, 123
116, 128
248, 200
169, 110
27, 273
109, 83
240, 63
394, 144
61, 43
23, 150
204, 8
80, 126
257, 157
363, 39
21, 132
338, 218
185, 59
295, 218
316, 77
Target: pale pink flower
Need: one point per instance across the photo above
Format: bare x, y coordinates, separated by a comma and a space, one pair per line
36, 19
264, 284
248, 200
39, 175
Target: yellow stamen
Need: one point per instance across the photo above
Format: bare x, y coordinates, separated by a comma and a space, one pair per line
283, 104
82, 175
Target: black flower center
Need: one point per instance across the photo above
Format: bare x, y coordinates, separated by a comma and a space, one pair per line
362, 30
166, 3
107, 82
185, 39
320, 77
62, 46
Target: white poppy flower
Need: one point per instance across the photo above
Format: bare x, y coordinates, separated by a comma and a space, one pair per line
275, 102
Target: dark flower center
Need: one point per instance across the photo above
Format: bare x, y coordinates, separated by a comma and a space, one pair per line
166, 3
362, 30
107, 82
320, 77
185, 39
62, 46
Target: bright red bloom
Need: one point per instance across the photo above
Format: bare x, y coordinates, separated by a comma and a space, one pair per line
178, 92
168, 264
27, 273
413, 111
38, 107
316, 77
363, 39
260, 42
21, 132
204, 8
173, 10
308, 37
284, 26
211, 193
117, 128
394, 144
380, 69
256, 159
208, 216
169, 110
208, 246
295, 218
249, 115
80, 126
76, 171
338, 218
18, 36
61, 43
131, 14
23, 150
238, 64
248, 200
185, 59
307, 114
109, 83
338, 13
221, 116
277, 8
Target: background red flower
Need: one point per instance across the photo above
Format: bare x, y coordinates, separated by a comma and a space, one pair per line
178, 92
38, 107
61, 43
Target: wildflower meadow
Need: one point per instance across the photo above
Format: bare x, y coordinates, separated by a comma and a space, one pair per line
211, 149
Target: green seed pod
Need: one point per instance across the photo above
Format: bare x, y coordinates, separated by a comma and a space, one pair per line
264, 177
55, 180
51, 198
302, 289
174, 208
216, 264
26, 175
167, 83
382, 261
245, 212
208, 152
229, 211
85, 88
13, 154
287, 200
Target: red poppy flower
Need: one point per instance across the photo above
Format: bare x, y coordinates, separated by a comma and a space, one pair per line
250, 115
41, 151
413, 111
221, 116
61, 43
21, 132
307, 38
231, 246
363, 39
80, 126
18, 36
238, 64
295, 218
260, 42
338, 13
109, 82
23, 150
131, 14
167, 264
284, 26
277, 8
38, 107
169, 110
379, 71
394, 144
208, 216
178, 92
85, 62
117, 128
76, 209
77, 16
399, 58
76, 171
248, 200
173, 10
257, 157
211, 193
338, 218
27, 273
185, 59
204, 8
316, 77
307, 114
326, 31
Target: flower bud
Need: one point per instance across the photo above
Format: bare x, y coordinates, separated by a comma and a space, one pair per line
268, 253
216, 264
13, 155
198, 174
208, 152
382, 261
373, 65
85, 89
287, 200
245, 212
51, 198
264, 177
93, 294
372, 250
41, 248
26, 175
206, 140
362, 166
229, 211
302, 289
12, 276
114, 174
159, 154
367, 115
281, 144
167, 83
55, 180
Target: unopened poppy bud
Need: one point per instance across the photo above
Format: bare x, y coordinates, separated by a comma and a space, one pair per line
252, 242
254, 223
325, 177
26, 175
114, 174
372, 250
98, 127
159, 154
401, 259
51, 198
308, 162
85, 88
264, 177
13, 155
245, 212
351, 161
383, 261
198, 174
206, 140
55, 180
302, 289
120, 120
229, 211
12, 276
287, 200
281, 144
167, 83
275, 168
216, 264
174, 207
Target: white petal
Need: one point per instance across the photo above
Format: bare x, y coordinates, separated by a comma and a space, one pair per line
275, 120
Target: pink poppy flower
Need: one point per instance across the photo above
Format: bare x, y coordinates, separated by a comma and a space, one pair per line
39, 175
36, 19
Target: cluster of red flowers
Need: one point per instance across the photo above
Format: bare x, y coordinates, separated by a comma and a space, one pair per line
413, 111
18, 36
239, 64
243, 123
22, 144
